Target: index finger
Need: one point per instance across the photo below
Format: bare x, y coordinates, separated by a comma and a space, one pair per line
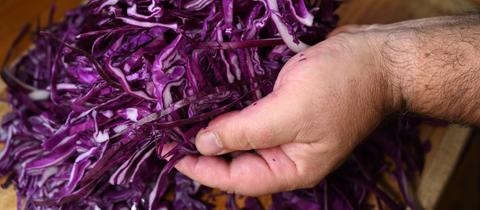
250, 174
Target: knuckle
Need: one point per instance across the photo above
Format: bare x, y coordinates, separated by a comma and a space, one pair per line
251, 144
233, 137
245, 140
255, 137
249, 140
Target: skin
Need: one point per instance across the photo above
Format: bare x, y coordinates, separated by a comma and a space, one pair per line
328, 98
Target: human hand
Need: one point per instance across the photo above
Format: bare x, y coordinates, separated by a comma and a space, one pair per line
325, 101
329, 97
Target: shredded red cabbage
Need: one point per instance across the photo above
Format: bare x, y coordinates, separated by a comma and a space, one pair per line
100, 94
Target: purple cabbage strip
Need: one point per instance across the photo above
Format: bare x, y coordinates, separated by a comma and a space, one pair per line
102, 92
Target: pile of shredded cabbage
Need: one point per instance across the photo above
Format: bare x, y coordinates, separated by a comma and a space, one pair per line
100, 94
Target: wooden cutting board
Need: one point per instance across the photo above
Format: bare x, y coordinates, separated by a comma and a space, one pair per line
447, 142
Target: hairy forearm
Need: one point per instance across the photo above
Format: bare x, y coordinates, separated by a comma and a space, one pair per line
433, 66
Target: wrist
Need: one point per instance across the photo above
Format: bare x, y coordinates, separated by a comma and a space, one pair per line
390, 52
395, 51
431, 66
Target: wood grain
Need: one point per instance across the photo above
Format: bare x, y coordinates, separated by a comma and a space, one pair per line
440, 168
15, 13
463, 188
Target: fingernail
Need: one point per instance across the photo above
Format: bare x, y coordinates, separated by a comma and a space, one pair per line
209, 144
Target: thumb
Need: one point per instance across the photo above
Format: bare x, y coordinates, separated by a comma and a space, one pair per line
269, 122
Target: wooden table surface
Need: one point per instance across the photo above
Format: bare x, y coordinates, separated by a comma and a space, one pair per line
15, 13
